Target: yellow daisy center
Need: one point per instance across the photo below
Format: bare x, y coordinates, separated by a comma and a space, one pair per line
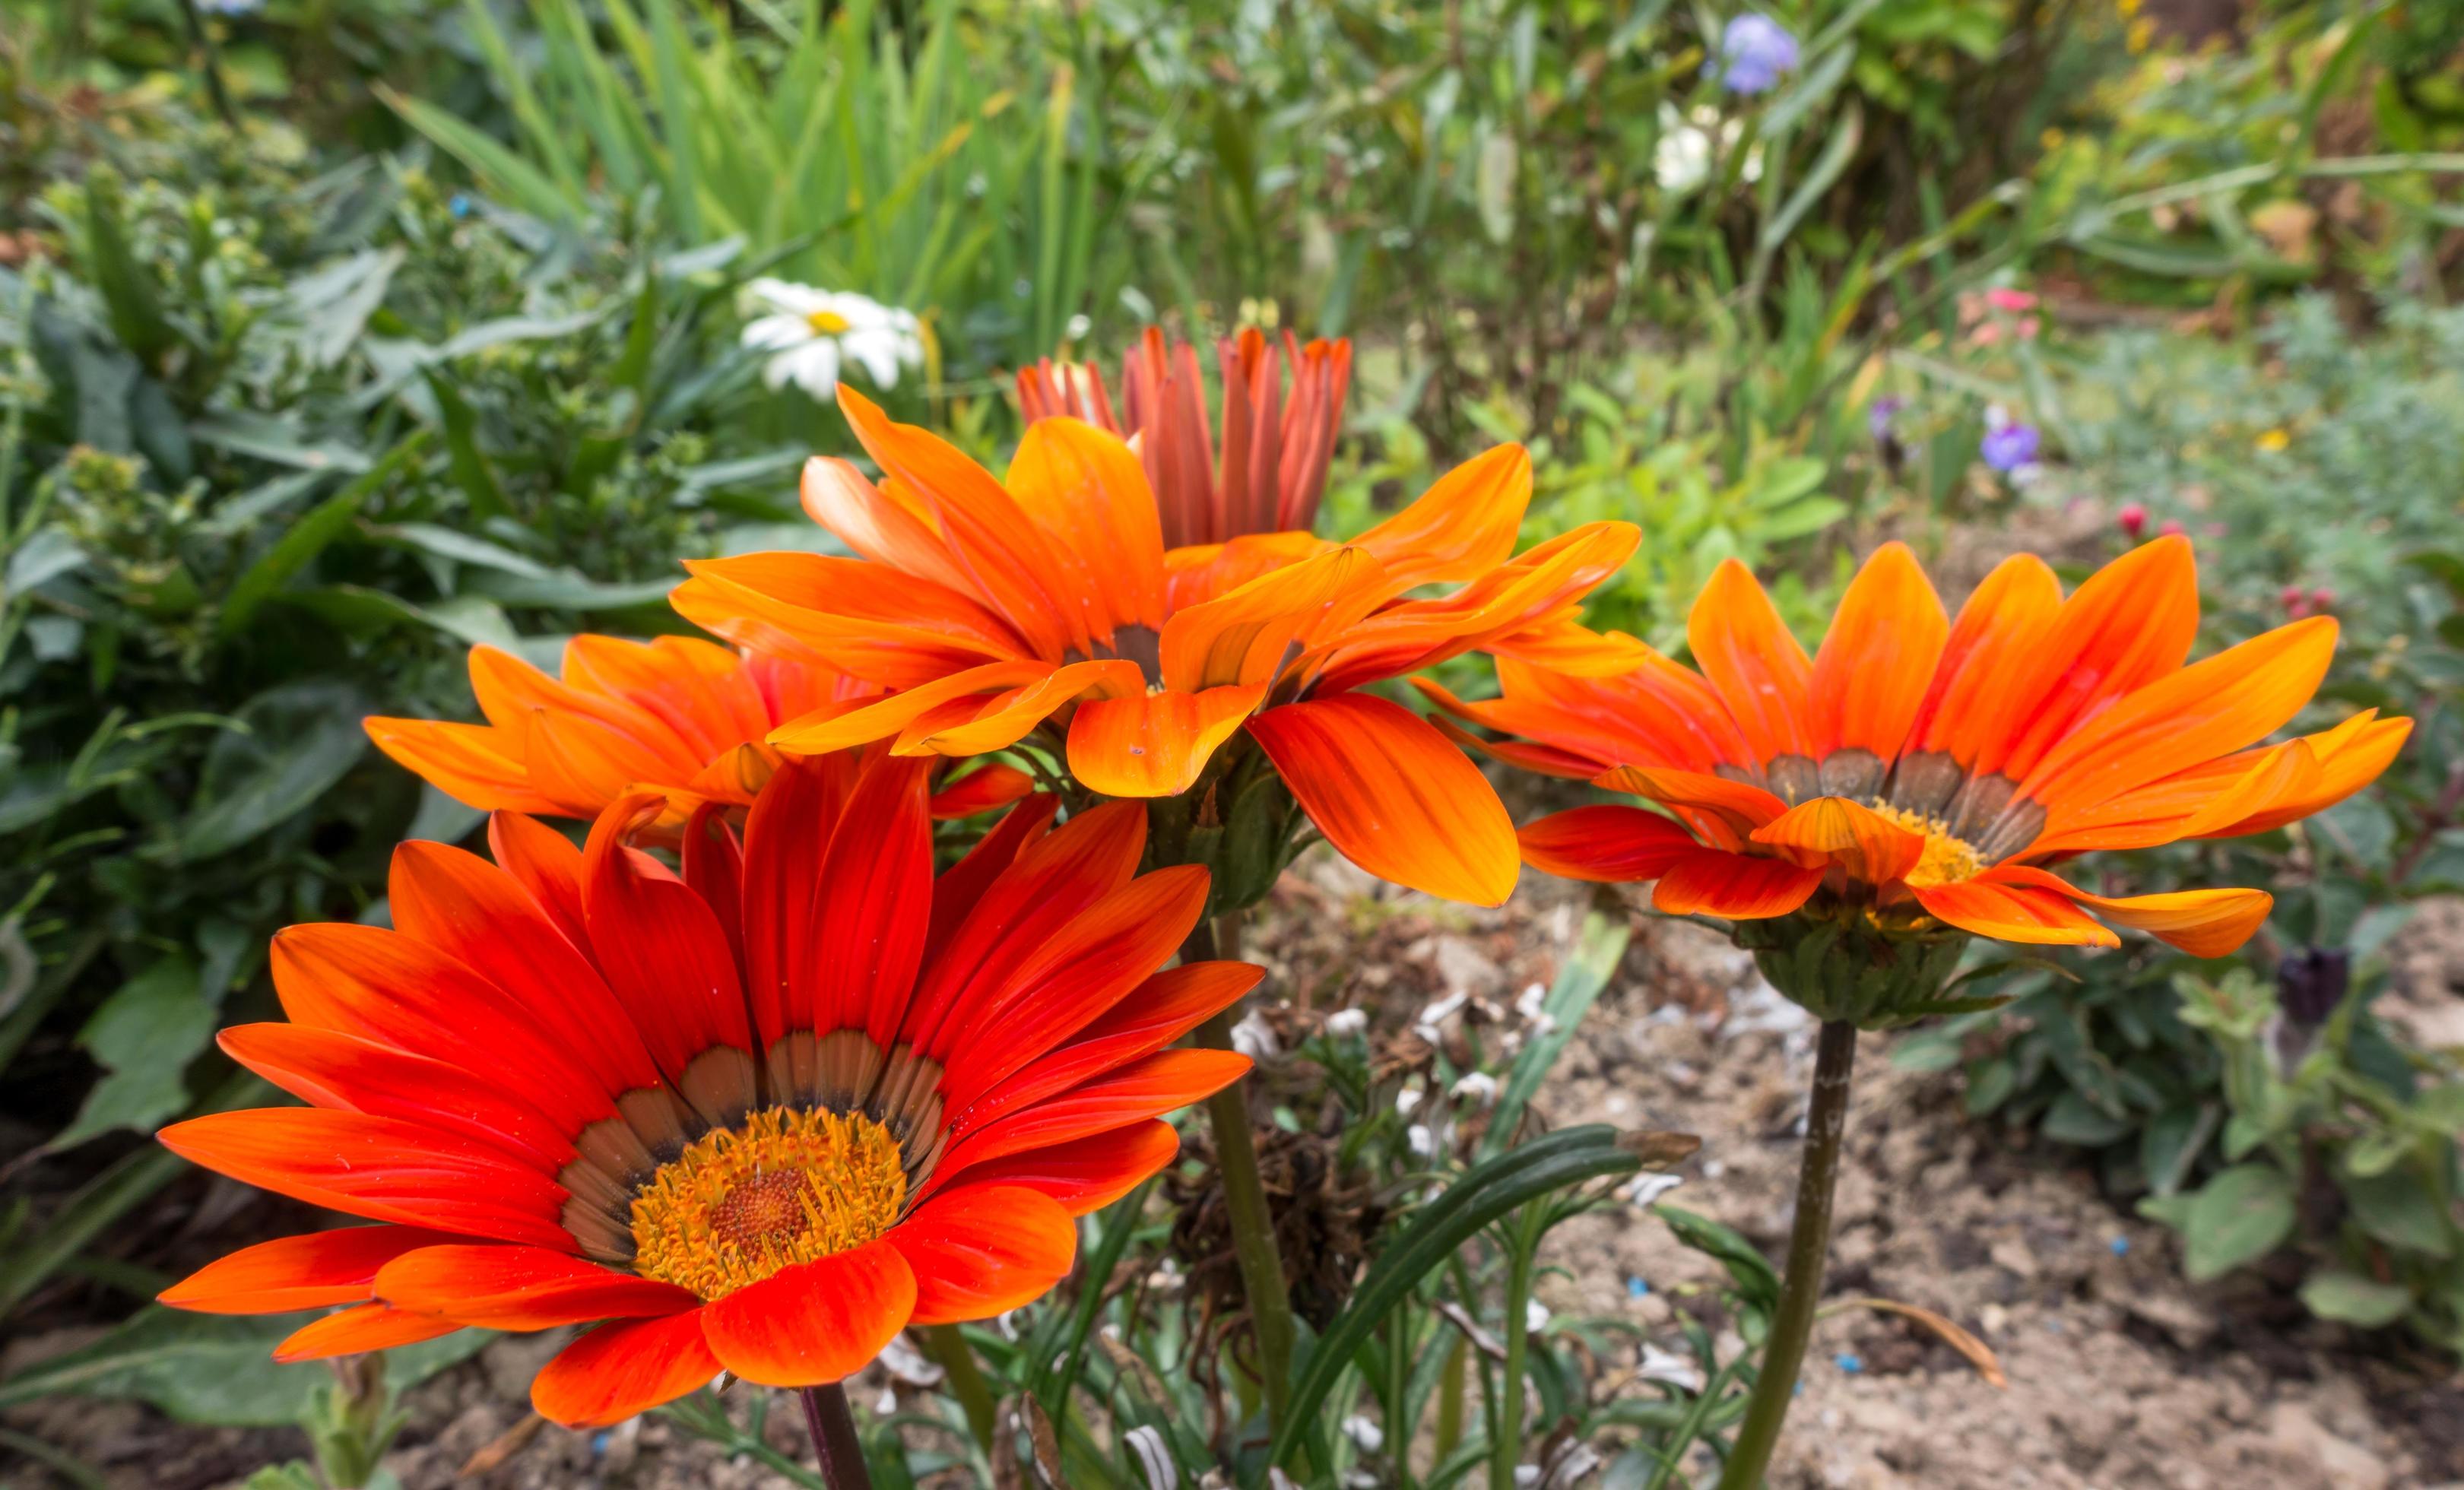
828, 324
1946, 859
785, 1186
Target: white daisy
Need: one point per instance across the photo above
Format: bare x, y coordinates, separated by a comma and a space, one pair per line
814, 333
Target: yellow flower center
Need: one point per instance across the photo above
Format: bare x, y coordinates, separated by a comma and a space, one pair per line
828, 324
786, 1187
1945, 860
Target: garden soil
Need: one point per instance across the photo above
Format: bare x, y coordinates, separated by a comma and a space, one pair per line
2118, 1373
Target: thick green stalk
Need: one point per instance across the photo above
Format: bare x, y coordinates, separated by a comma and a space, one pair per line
1809, 1242
950, 1350
1450, 1399
1244, 1200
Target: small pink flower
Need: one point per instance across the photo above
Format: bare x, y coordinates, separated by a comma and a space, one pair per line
2297, 601
2173, 528
2134, 522
2321, 598
2012, 301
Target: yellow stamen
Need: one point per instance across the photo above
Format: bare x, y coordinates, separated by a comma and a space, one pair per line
828, 324
784, 1187
1946, 859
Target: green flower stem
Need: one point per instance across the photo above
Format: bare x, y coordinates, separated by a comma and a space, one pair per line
1244, 1198
1808, 1241
834, 1439
1450, 1398
1507, 1451
950, 1350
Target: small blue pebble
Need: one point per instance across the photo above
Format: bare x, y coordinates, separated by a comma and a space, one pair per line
597, 1444
1636, 1288
1851, 1364
2121, 1246
459, 205
1797, 1391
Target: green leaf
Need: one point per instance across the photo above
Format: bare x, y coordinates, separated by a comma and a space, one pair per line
2075, 1119
215, 1369
2355, 1299
1754, 1276
2397, 1209
1490, 1190
2239, 1216
471, 471
464, 549
309, 537
144, 1036
301, 738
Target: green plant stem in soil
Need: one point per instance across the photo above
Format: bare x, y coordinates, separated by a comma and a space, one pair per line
834, 1439
951, 1351
1244, 1201
1809, 1242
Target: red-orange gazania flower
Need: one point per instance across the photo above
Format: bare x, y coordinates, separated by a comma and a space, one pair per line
1932, 767
761, 1115
684, 717
988, 609
1272, 470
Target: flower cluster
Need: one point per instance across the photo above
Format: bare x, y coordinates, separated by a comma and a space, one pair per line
744, 1084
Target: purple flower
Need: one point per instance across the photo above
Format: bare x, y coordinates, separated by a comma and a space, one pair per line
1879, 414
2009, 446
1754, 50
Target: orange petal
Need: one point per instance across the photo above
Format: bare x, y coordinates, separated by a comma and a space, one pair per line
835, 728
619, 1369
2131, 624
1609, 844
1878, 660
1087, 490
1026, 575
845, 616
2013, 912
2195, 714
383, 1168
1144, 1088
328, 1068
981, 1250
2350, 756
815, 1322
1088, 1173
1200, 572
838, 497
1734, 886
2204, 922
297, 1272
1394, 795
663, 952
1248, 635
1007, 718
1158, 1011
520, 1288
1835, 830
1155, 744
354, 1331
996, 785
477, 765
1987, 660
1745, 651
1459, 527
1713, 803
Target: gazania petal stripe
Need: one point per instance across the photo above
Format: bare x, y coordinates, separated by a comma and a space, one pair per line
759, 1118
1922, 772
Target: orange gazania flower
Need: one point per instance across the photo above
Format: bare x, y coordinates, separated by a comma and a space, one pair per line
1930, 769
758, 1117
990, 607
1272, 469
684, 717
